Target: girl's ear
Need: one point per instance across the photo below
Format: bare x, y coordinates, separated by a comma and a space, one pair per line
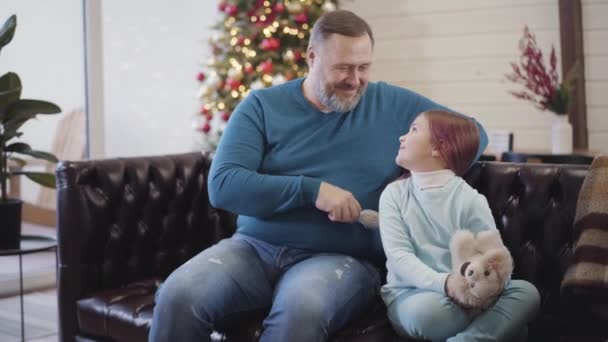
435, 152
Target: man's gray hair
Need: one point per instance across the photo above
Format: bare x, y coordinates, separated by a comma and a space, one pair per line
341, 22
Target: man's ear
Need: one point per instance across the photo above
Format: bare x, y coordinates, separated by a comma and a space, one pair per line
310, 56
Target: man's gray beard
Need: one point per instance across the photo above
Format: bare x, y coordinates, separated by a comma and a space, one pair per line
333, 102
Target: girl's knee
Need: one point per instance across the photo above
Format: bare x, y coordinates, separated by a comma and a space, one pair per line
431, 317
527, 293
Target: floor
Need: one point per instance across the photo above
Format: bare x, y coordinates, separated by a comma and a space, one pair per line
40, 300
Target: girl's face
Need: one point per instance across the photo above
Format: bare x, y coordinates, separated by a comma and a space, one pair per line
416, 152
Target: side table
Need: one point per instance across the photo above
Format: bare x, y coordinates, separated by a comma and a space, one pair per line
29, 244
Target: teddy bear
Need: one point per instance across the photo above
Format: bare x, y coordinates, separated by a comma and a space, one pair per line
481, 266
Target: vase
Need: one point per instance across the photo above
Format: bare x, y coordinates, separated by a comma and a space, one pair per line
561, 135
10, 229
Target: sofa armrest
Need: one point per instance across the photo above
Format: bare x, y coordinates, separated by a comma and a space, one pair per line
124, 220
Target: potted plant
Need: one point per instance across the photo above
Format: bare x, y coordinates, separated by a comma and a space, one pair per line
14, 112
543, 88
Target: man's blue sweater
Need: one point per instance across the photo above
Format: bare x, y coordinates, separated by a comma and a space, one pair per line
277, 149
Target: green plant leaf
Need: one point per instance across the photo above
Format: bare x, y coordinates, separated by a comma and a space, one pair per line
27, 109
8, 31
43, 178
10, 130
10, 91
20, 162
18, 147
39, 155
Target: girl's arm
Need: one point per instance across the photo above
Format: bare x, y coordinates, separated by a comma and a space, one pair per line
479, 216
399, 249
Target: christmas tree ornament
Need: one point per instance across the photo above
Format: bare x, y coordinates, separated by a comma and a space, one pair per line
270, 44
248, 69
301, 18
279, 8
231, 10
265, 67
294, 7
233, 84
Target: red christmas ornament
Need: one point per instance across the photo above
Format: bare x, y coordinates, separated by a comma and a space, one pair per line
206, 128
240, 40
204, 111
270, 44
301, 18
297, 55
248, 69
225, 116
231, 10
200, 77
279, 8
265, 67
222, 6
233, 84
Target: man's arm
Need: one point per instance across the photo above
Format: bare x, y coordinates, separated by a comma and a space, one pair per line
234, 182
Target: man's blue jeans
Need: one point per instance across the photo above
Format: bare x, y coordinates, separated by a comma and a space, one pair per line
310, 295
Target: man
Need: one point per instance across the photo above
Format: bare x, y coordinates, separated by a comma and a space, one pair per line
298, 162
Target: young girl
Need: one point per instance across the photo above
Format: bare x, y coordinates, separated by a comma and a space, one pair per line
418, 216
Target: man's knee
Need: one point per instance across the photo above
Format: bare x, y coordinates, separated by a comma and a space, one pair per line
176, 294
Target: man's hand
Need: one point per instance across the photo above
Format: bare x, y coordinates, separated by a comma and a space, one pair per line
340, 204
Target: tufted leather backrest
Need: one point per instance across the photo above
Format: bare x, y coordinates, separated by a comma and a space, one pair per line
533, 206
122, 220
137, 218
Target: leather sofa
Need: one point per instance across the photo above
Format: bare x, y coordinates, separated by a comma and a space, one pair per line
125, 224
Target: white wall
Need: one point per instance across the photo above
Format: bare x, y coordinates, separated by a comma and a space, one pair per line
457, 52
152, 52
595, 38
47, 54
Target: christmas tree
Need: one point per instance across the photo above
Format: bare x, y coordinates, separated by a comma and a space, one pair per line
257, 44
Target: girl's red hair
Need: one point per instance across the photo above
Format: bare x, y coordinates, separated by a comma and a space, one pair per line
456, 137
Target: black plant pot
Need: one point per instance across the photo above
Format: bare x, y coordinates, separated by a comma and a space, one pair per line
10, 223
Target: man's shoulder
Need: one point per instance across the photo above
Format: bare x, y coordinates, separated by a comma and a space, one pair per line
277, 91
390, 94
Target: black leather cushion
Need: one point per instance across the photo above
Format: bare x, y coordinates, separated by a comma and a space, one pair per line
122, 314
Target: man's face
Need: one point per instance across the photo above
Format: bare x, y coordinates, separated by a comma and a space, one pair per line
339, 70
